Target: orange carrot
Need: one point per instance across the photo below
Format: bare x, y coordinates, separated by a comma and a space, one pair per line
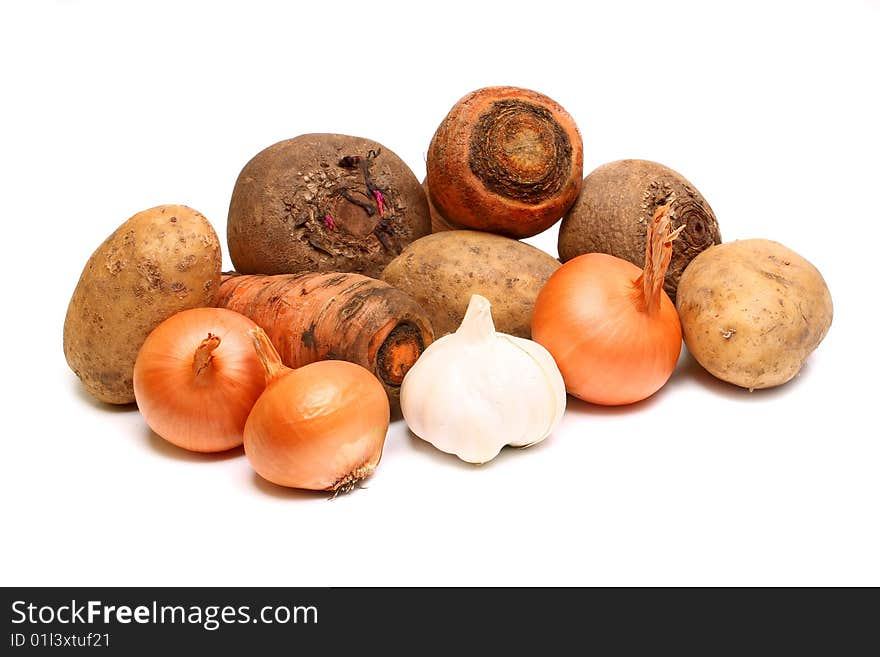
323, 316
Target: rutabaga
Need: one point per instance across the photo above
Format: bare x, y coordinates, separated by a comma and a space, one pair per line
474, 391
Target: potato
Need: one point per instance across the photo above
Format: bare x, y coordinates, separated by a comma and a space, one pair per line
159, 262
442, 271
752, 311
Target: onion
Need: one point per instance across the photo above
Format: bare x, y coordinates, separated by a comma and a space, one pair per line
319, 427
197, 377
610, 326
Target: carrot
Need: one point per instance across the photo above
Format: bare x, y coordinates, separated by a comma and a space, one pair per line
325, 316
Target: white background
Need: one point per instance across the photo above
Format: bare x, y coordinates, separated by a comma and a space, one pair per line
770, 109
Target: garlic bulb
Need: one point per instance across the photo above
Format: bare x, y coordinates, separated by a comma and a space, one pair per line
474, 391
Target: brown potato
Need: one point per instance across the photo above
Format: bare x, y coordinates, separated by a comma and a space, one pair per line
442, 271
752, 311
159, 262
324, 202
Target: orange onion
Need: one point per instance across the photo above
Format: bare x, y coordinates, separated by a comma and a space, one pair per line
610, 326
197, 377
318, 427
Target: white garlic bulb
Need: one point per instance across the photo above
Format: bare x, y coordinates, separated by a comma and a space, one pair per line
474, 391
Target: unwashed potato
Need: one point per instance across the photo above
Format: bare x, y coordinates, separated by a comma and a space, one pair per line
752, 311
442, 271
159, 262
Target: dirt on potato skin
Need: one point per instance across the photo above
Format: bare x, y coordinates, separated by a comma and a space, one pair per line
324, 202
616, 203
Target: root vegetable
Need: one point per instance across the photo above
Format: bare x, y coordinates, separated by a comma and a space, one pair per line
197, 377
616, 204
443, 270
752, 311
319, 316
505, 160
610, 326
475, 391
159, 262
438, 221
324, 202
319, 427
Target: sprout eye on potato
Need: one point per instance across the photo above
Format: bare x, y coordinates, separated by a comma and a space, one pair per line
752, 311
159, 262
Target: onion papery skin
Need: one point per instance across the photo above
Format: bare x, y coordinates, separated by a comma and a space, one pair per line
319, 427
204, 412
591, 317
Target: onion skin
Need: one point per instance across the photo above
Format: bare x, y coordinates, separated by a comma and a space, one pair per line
610, 351
319, 427
201, 406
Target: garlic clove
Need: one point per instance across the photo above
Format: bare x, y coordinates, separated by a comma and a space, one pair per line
552, 378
